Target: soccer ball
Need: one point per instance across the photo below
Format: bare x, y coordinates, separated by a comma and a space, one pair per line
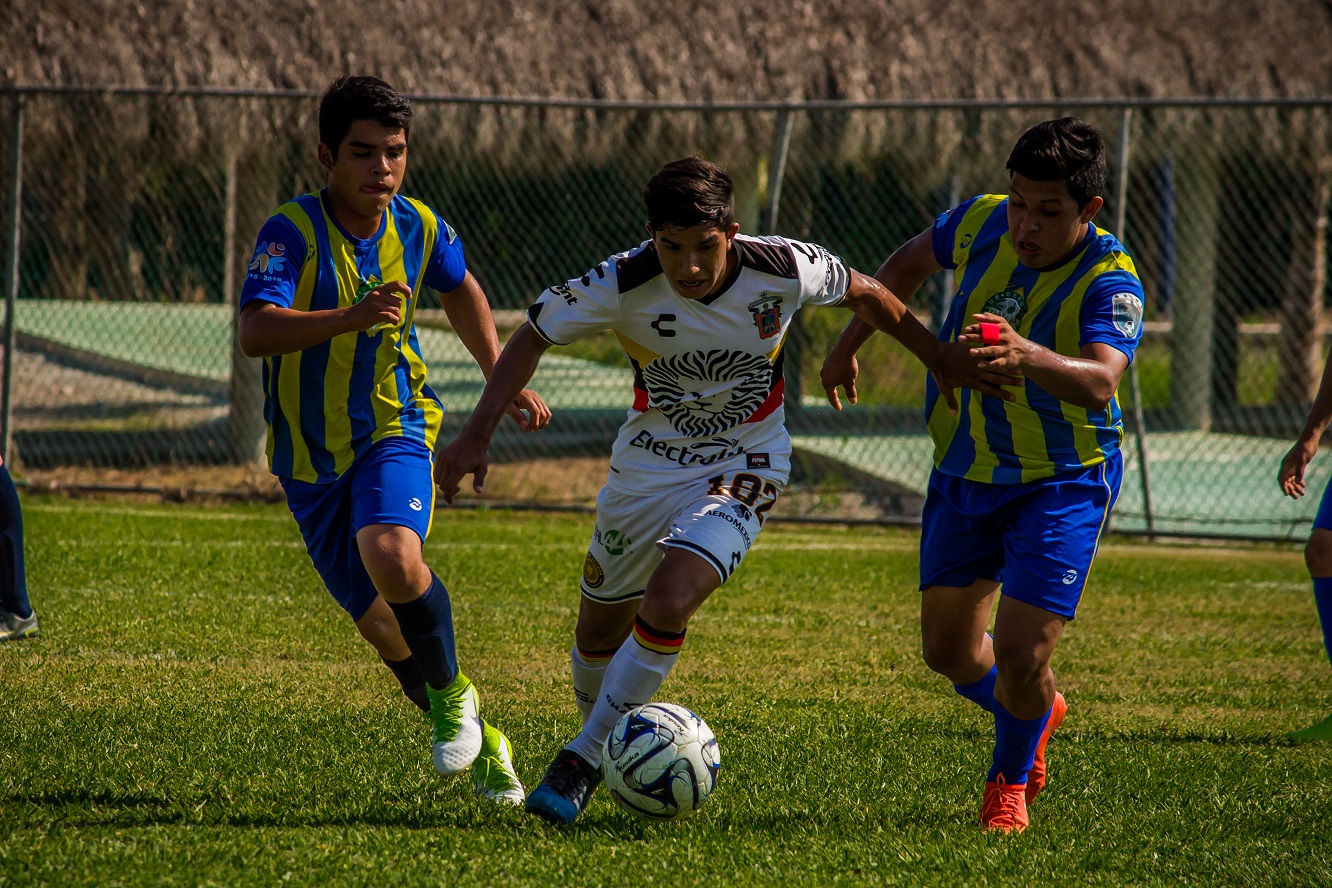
660, 762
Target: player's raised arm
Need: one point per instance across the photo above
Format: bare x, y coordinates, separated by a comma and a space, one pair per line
1088, 380
468, 311
466, 454
265, 329
900, 276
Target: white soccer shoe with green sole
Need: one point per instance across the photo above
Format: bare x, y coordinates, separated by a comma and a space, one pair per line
456, 739
496, 781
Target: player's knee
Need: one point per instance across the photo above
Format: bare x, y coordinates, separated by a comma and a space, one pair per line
945, 655
603, 628
1019, 668
1318, 553
394, 563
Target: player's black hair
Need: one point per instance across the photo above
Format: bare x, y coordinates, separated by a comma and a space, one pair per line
354, 97
1070, 149
690, 191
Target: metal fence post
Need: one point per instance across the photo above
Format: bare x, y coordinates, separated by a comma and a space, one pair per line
245, 421
12, 264
1139, 421
781, 147
795, 339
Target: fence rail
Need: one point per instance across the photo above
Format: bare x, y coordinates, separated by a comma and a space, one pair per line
131, 211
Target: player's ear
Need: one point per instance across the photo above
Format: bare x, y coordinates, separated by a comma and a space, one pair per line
731, 232
652, 232
1091, 209
325, 158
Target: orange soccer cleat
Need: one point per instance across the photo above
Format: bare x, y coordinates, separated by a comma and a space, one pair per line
1036, 776
1004, 807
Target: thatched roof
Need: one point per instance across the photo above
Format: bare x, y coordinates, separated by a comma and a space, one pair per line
687, 51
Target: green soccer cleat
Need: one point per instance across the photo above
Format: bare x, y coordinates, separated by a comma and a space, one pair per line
13, 627
1320, 732
493, 771
457, 727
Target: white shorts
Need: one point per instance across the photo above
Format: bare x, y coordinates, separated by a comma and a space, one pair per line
717, 519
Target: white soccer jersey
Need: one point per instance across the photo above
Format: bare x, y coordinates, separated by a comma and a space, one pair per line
707, 372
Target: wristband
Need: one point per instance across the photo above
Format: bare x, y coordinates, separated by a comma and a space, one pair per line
989, 333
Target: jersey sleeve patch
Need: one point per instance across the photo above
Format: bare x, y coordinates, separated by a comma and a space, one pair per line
1126, 312
275, 267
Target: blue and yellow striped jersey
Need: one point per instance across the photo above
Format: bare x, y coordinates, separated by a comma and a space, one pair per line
1092, 296
328, 404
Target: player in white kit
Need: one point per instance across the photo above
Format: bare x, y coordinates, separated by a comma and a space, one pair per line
702, 313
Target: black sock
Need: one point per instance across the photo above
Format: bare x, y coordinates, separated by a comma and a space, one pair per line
409, 676
427, 627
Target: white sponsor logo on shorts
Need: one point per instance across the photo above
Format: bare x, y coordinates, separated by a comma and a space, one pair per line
414, 504
1070, 577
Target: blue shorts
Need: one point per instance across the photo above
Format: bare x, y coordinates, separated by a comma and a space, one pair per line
1038, 538
390, 483
1323, 520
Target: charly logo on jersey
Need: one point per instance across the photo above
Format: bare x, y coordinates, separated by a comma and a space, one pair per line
1070, 577
1126, 310
269, 258
414, 504
1010, 305
593, 575
705, 393
767, 312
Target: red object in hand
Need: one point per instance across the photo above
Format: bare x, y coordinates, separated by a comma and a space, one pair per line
989, 333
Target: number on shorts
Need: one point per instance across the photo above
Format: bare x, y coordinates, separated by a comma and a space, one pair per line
753, 491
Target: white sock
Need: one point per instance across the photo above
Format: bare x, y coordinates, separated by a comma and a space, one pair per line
586, 681
634, 675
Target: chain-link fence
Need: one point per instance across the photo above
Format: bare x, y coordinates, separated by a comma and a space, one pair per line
132, 213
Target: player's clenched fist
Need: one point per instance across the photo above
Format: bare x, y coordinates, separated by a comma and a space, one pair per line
381, 307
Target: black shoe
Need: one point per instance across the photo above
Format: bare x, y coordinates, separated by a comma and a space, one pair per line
564, 791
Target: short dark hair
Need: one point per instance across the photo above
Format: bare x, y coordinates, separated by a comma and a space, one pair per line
690, 191
1070, 149
354, 97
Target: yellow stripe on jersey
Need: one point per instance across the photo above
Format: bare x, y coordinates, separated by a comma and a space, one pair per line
289, 382
640, 354
341, 355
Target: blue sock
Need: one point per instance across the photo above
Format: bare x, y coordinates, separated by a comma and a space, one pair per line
1323, 600
427, 627
1015, 741
13, 578
980, 691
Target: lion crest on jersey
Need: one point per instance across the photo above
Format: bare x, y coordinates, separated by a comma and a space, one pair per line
707, 392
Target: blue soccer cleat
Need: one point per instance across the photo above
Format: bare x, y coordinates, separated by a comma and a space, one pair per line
564, 792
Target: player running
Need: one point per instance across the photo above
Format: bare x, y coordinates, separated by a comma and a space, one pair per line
329, 304
1021, 490
1318, 551
702, 313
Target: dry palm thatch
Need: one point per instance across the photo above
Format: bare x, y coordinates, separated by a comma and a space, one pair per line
683, 50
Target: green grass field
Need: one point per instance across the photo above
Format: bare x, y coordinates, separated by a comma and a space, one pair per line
198, 712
